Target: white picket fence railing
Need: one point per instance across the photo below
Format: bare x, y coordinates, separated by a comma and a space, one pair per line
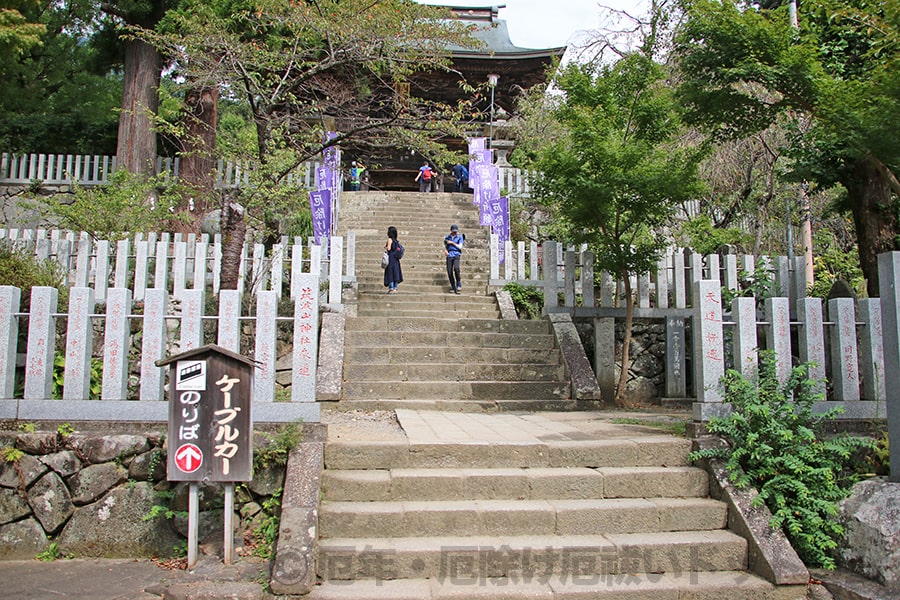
168, 277
843, 338
670, 284
180, 262
92, 169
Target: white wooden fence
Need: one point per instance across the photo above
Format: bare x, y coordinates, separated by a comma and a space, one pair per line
159, 284
68, 169
178, 262
704, 336
92, 169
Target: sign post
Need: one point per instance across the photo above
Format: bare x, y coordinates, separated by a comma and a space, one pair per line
210, 434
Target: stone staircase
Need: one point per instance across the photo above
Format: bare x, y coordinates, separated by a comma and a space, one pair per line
425, 347
557, 516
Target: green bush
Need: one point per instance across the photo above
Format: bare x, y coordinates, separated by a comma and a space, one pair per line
130, 203
775, 446
22, 270
529, 302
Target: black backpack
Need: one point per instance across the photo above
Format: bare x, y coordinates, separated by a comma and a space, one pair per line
399, 250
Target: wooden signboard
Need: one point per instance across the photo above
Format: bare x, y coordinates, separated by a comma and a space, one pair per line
210, 435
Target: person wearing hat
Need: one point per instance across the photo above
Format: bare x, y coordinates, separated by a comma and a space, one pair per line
356, 172
453, 245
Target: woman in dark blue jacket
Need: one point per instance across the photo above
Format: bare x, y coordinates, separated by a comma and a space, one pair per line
393, 275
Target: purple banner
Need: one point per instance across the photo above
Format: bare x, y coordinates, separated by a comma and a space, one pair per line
476, 155
324, 177
498, 213
486, 189
320, 206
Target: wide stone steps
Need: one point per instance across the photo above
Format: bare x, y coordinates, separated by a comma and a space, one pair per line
488, 393
519, 518
403, 355
388, 364
527, 556
645, 451
470, 585
574, 483
552, 517
455, 325
461, 340
495, 372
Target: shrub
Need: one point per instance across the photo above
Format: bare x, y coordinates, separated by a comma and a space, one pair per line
22, 270
775, 446
529, 302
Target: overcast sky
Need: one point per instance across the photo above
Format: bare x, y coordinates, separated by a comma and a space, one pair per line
547, 23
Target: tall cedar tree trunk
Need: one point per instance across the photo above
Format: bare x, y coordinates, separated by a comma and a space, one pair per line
869, 192
197, 169
626, 344
234, 230
136, 149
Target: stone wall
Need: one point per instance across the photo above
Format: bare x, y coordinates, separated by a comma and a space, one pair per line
94, 496
647, 373
18, 204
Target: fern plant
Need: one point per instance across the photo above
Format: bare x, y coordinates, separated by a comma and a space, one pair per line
775, 445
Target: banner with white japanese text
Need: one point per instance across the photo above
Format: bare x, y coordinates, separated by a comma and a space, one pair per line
498, 214
476, 149
320, 206
328, 177
487, 188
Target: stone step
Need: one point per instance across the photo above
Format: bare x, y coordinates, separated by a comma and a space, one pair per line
519, 517
374, 372
683, 584
397, 485
463, 313
530, 327
442, 339
403, 355
454, 390
413, 290
434, 298
466, 406
519, 557
644, 451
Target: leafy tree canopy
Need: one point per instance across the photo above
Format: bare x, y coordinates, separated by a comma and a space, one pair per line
835, 80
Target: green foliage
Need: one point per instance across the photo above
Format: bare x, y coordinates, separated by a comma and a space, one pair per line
65, 430
529, 302
51, 553
701, 235
162, 510
832, 84
776, 445
831, 263
129, 204
266, 534
760, 285
678, 428
619, 170
26, 428
59, 375
279, 446
22, 270
11, 454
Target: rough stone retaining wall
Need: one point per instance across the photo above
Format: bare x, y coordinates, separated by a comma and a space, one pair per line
93, 494
647, 372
